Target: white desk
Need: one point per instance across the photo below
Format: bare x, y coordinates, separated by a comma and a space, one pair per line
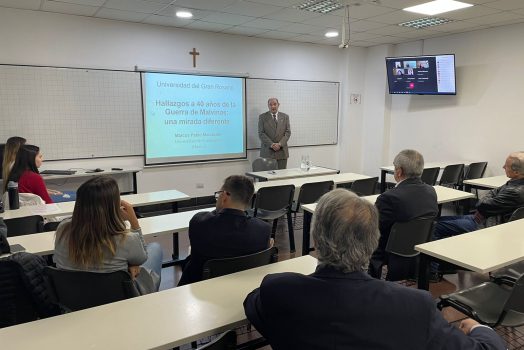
160, 320
290, 173
44, 243
481, 251
338, 179
487, 182
66, 208
444, 195
84, 173
390, 169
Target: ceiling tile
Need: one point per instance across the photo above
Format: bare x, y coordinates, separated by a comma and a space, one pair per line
456, 26
214, 5
252, 9
389, 30
387, 40
247, 31
299, 28
21, 4
362, 36
227, 18
265, 23
273, 34
121, 15
83, 2
419, 33
496, 18
70, 9
506, 4
470, 12
364, 11
292, 15
134, 6
397, 17
285, 3
363, 43
168, 21
208, 26
160, 1
306, 38
400, 4
362, 26
325, 21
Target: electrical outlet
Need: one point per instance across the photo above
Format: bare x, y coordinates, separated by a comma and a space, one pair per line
199, 185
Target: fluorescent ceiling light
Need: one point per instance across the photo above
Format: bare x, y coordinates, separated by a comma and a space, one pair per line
425, 22
331, 34
438, 6
184, 14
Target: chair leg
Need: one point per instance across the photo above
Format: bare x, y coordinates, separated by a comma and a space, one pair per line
291, 233
274, 229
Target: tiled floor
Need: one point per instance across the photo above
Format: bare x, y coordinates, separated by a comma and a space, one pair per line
463, 279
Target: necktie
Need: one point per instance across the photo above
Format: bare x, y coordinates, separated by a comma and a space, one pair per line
275, 119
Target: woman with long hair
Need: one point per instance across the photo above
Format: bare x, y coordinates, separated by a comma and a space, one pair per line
25, 172
11, 148
96, 238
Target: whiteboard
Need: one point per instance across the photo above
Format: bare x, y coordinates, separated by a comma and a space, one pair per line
312, 107
72, 113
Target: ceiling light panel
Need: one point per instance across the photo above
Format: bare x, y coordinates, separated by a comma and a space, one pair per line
319, 6
425, 22
438, 6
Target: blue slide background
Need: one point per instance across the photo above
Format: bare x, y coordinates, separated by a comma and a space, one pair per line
173, 101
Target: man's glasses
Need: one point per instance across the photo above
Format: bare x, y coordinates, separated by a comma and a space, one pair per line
217, 193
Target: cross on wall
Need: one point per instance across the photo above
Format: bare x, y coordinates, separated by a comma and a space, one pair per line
194, 53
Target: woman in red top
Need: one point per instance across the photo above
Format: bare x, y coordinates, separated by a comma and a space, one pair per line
25, 172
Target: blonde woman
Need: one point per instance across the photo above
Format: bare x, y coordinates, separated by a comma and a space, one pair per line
10, 151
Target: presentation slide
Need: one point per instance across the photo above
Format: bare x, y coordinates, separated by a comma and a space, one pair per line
193, 118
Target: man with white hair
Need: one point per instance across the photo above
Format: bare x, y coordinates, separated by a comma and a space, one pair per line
340, 306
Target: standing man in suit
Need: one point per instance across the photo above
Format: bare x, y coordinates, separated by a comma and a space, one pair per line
227, 231
274, 132
410, 199
340, 306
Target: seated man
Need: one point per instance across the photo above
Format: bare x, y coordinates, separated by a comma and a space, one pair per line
410, 199
227, 231
502, 201
339, 306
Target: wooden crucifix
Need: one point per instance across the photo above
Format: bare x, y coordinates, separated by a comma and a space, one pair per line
194, 53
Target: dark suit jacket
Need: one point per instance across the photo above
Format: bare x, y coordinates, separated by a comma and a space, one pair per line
334, 310
224, 234
269, 134
411, 199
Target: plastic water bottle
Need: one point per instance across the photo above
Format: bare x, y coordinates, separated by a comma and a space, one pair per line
12, 191
303, 163
308, 163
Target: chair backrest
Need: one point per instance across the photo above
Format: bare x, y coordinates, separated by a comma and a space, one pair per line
404, 236
517, 214
515, 302
365, 187
77, 290
24, 226
226, 341
475, 170
311, 192
220, 267
452, 175
16, 304
430, 175
261, 164
274, 198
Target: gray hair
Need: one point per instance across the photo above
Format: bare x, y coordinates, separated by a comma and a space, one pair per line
517, 162
410, 161
272, 98
345, 230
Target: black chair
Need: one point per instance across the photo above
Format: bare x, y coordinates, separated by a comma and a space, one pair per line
452, 175
261, 164
25, 225
78, 290
226, 341
490, 303
510, 274
402, 260
364, 187
475, 170
311, 192
274, 202
225, 266
430, 175
16, 303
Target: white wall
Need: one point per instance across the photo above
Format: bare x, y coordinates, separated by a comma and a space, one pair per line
483, 122
39, 38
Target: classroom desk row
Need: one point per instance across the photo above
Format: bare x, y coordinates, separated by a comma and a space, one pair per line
66, 208
160, 320
281, 174
43, 243
444, 195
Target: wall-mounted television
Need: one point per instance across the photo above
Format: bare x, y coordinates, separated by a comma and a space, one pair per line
422, 75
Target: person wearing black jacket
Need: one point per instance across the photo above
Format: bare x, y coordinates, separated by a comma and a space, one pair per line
502, 201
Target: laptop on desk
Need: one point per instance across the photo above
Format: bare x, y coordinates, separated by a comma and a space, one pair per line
58, 172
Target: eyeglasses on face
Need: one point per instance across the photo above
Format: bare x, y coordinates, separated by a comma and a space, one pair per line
217, 193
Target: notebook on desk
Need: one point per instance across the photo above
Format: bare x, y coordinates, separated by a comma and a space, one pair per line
58, 172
